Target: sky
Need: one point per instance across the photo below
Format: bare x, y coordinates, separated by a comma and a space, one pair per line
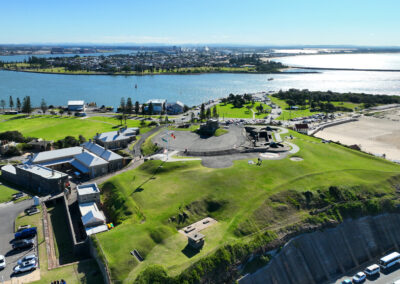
243, 22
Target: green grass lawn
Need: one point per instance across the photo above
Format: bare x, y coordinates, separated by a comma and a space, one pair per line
289, 114
57, 127
229, 111
82, 272
236, 196
6, 193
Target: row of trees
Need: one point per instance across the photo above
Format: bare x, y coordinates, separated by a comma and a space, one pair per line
207, 114
304, 97
25, 106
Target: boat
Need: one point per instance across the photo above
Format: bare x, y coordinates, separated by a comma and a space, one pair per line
135, 86
270, 79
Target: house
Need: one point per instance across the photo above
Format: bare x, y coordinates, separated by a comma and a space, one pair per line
175, 108
117, 139
157, 105
301, 128
88, 193
39, 145
76, 106
92, 218
5, 146
90, 164
37, 178
115, 161
56, 157
90, 159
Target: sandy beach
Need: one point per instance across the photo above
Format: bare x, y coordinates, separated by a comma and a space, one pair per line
378, 134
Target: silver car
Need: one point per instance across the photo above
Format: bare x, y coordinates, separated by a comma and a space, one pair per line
26, 266
26, 258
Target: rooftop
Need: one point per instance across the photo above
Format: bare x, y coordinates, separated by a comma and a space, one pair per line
195, 236
123, 134
42, 171
74, 103
56, 154
87, 189
9, 168
156, 101
88, 159
105, 154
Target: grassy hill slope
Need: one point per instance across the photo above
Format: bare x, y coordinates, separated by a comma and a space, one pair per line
245, 199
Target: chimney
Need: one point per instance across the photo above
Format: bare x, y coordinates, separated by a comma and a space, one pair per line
83, 150
52, 172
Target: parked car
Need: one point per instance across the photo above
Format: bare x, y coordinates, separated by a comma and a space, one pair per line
26, 258
27, 233
23, 227
359, 277
25, 266
2, 262
33, 211
18, 195
372, 270
23, 244
346, 281
29, 209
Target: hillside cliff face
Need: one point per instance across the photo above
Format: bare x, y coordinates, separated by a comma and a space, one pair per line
320, 256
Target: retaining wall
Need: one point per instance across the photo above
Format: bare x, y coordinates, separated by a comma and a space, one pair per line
323, 255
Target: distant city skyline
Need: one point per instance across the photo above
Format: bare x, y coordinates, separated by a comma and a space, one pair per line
179, 22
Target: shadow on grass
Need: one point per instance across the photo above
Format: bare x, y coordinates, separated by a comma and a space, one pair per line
189, 252
91, 272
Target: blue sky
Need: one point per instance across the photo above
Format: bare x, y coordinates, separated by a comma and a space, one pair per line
258, 22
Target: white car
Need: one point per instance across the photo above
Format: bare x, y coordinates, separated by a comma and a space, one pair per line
2, 262
359, 277
26, 258
26, 266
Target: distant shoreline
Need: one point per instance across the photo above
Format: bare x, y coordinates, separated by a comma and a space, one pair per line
154, 74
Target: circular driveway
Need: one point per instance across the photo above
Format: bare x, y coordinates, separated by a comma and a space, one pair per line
194, 142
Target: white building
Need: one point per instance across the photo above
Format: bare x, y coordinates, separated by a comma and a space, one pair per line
117, 139
157, 105
76, 106
88, 193
175, 108
92, 218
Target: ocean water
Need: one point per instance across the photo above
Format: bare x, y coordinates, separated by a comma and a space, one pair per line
193, 89
388, 61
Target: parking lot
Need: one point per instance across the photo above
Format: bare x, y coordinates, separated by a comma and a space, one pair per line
8, 214
387, 277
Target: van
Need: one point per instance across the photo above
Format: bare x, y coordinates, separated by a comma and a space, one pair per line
372, 270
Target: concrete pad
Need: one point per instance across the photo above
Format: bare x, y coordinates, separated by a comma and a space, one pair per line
198, 226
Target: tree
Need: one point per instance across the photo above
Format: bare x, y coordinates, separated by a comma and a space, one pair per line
18, 104
61, 111
122, 105
163, 108
291, 103
192, 117
81, 139
43, 106
260, 108
202, 112
215, 112
150, 108
129, 106
137, 107
11, 102
208, 113
26, 105
3, 104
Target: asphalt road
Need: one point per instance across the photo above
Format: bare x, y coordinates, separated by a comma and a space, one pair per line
8, 214
387, 277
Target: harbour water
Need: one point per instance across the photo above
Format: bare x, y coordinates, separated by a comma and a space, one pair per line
191, 89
